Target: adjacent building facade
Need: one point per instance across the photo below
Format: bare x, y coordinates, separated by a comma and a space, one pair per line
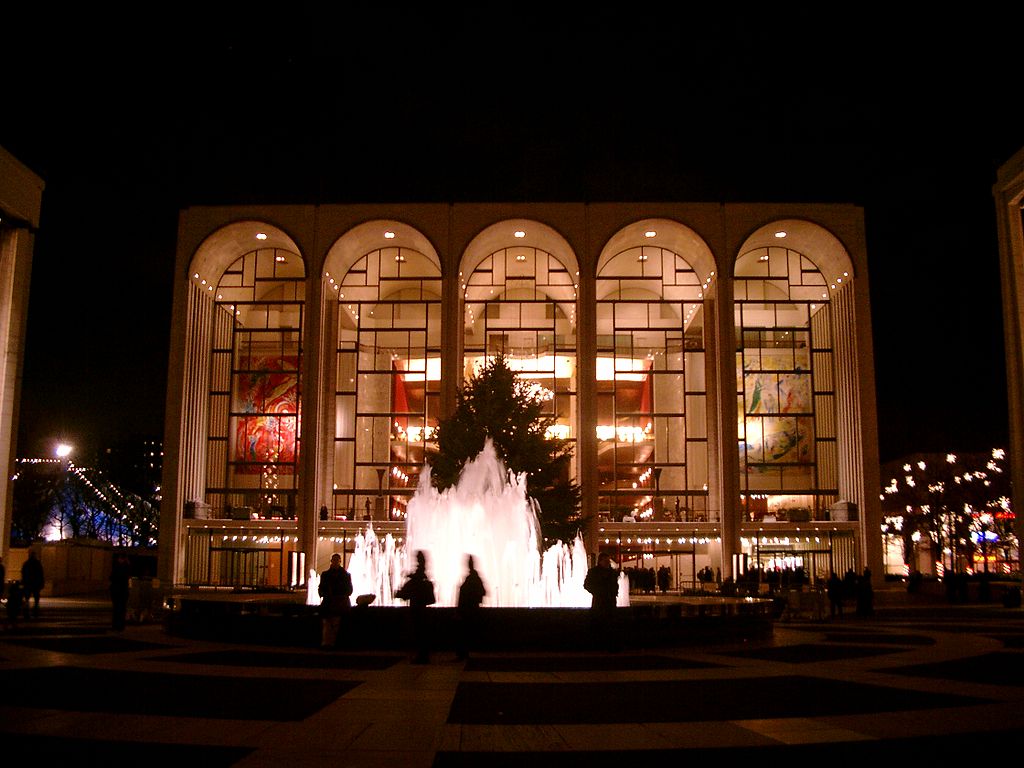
712, 364
1009, 199
21, 193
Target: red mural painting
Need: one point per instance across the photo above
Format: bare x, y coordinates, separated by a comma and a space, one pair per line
267, 400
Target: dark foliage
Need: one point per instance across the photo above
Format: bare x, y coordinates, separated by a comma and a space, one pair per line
495, 403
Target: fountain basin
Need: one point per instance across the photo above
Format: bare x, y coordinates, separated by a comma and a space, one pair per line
284, 620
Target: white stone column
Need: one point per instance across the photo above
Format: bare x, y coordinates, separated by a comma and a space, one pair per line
15, 272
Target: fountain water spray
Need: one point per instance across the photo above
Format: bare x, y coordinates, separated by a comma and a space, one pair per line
488, 515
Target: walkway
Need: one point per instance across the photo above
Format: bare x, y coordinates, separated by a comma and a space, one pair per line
946, 682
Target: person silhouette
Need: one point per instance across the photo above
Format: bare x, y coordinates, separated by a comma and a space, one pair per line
334, 590
467, 611
418, 590
120, 580
32, 582
602, 582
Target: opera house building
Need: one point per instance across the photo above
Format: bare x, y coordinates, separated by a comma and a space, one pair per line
711, 363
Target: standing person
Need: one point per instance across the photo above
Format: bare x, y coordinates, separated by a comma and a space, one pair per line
419, 591
865, 594
467, 612
850, 584
13, 605
835, 595
602, 582
120, 577
32, 582
334, 590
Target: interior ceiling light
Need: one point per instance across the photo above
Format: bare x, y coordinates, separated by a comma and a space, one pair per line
642, 256
400, 256
521, 257
279, 259
261, 235
650, 233
764, 258
780, 233
519, 233
389, 235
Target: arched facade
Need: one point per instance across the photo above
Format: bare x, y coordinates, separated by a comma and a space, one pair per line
657, 331
652, 431
519, 282
795, 392
383, 280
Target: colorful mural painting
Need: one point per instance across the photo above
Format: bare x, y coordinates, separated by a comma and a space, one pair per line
769, 392
267, 424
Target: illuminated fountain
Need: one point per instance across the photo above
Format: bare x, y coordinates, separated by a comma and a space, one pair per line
487, 514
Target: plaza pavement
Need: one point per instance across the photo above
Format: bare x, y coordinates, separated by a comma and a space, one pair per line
919, 679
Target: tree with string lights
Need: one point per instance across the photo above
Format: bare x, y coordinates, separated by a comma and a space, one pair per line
61, 500
959, 504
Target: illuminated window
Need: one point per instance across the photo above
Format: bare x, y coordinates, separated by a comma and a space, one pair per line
520, 302
256, 360
785, 390
652, 399
387, 379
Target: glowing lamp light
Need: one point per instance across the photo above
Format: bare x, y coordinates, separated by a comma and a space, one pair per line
261, 235
63, 450
650, 233
780, 234
519, 234
389, 235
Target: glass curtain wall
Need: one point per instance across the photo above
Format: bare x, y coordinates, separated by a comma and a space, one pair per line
253, 438
652, 396
520, 302
785, 391
387, 384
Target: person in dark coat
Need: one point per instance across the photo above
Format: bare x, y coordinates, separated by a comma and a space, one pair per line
120, 577
419, 591
663, 579
850, 584
334, 590
602, 582
32, 582
835, 595
14, 601
467, 611
865, 594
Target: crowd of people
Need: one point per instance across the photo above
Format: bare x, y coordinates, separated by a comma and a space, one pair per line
850, 588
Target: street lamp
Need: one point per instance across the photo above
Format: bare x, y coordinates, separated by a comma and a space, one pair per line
63, 450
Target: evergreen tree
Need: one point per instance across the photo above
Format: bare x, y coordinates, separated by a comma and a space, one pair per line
495, 403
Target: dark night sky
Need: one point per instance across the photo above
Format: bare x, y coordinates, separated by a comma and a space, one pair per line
909, 119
